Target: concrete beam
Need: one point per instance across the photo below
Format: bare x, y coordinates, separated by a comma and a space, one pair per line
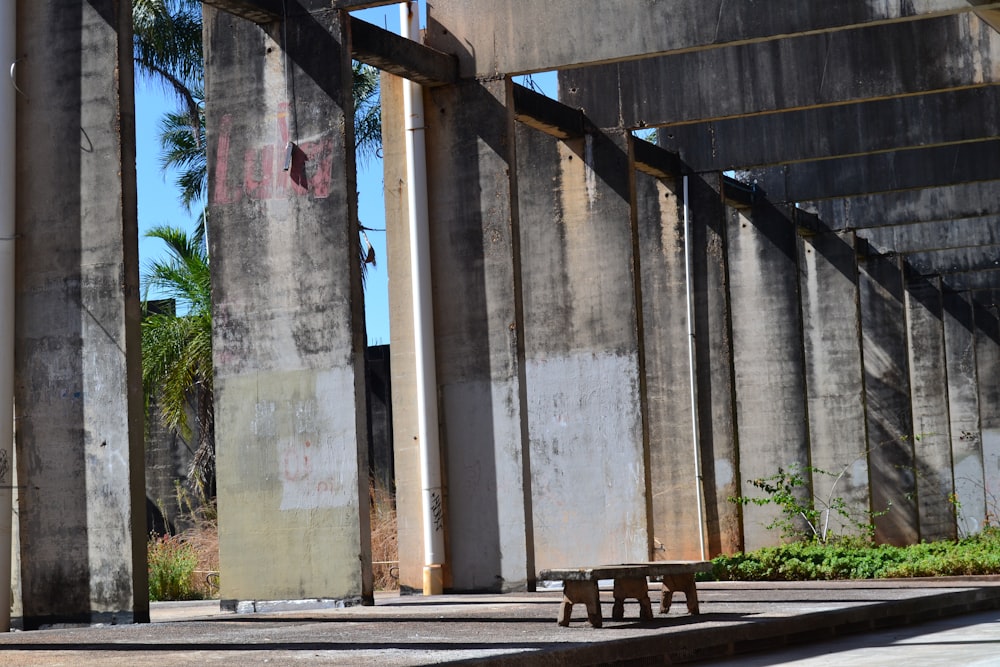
870, 127
536, 36
986, 280
547, 115
258, 11
937, 235
400, 56
815, 70
930, 204
654, 161
878, 173
955, 260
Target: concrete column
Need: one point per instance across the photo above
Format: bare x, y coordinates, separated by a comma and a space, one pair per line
929, 405
478, 330
584, 408
887, 396
767, 356
674, 477
963, 411
831, 326
714, 363
987, 362
288, 314
405, 442
77, 394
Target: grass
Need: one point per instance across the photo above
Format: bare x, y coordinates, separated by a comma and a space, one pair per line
856, 559
385, 550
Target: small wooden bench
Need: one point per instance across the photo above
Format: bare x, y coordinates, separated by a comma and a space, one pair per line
630, 581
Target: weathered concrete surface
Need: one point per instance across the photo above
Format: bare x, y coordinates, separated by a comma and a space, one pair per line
582, 370
929, 407
835, 398
887, 397
405, 427
954, 52
478, 334
521, 38
987, 361
287, 311
879, 172
963, 412
714, 363
675, 492
943, 203
969, 259
77, 389
920, 236
767, 356
808, 134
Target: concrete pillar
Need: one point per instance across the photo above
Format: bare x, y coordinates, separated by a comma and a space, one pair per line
479, 334
714, 363
929, 405
78, 397
767, 356
674, 478
887, 396
987, 362
831, 327
582, 354
288, 315
405, 442
963, 411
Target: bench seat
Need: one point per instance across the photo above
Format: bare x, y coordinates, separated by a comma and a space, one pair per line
580, 585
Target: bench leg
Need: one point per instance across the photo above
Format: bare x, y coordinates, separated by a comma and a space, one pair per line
683, 583
632, 587
581, 591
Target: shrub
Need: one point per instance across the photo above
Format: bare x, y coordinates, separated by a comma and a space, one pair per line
172, 563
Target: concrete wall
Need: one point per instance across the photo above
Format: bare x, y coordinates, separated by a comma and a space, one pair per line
287, 312
479, 334
77, 389
582, 363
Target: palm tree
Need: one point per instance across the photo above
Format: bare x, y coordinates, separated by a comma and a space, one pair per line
177, 349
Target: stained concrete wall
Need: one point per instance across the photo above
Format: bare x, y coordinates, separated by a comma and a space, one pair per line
835, 403
478, 334
77, 389
584, 399
287, 312
987, 360
767, 354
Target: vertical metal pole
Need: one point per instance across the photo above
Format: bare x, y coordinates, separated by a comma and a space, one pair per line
423, 319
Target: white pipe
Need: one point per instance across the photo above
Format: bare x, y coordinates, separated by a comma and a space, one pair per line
693, 377
8, 50
423, 318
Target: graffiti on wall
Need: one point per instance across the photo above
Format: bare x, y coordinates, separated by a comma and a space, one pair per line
280, 170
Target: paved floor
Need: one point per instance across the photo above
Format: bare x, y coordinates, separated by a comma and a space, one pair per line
756, 621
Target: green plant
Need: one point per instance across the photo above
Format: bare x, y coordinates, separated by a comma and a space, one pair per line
171, 565
807, 516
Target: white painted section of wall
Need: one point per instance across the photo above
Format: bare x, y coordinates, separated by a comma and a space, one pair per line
586, 460
991, 461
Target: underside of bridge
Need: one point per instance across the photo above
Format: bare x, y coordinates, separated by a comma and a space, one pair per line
746, 236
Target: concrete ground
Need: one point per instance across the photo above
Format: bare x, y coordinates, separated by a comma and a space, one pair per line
868, 623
